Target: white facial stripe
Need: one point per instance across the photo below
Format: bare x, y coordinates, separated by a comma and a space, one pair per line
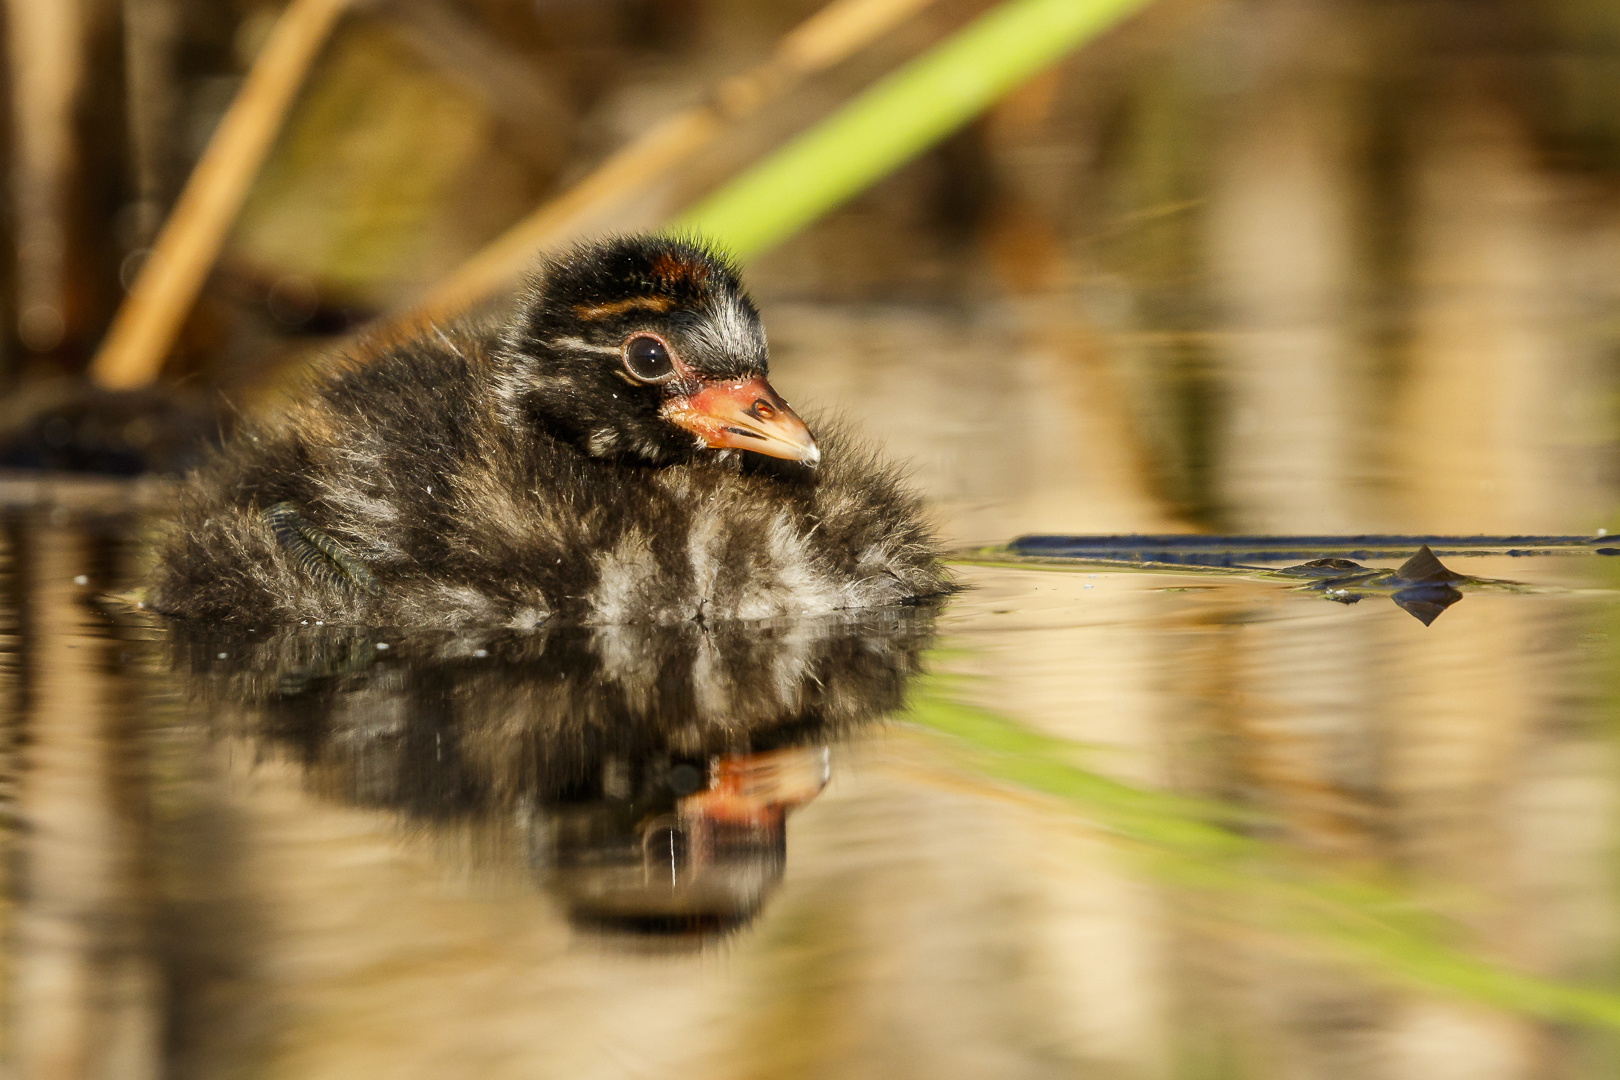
575, 344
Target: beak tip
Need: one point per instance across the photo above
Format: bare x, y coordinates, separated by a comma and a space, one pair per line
745, 415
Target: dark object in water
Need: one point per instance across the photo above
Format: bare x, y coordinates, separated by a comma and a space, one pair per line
70, 426
1195, 549
582, 462
1423, 586
1432, 589
1424, 569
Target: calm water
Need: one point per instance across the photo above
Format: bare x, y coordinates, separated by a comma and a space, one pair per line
1081, 822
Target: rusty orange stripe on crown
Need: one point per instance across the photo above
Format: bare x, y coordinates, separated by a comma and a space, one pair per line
675, 270
619, 307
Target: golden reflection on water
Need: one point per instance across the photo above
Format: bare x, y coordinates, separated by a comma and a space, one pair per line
1132, 824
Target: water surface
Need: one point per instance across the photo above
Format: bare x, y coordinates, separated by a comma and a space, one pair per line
1086, 820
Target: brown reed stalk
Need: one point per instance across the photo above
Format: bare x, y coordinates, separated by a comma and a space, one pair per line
828, 36
148, 321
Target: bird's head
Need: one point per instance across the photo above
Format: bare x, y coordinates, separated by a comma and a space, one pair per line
647, 348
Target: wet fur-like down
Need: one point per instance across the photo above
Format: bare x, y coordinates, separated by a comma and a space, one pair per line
491, 476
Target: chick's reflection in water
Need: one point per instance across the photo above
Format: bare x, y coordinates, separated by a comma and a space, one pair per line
651, 769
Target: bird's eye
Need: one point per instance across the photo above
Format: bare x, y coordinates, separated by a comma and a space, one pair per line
646, 358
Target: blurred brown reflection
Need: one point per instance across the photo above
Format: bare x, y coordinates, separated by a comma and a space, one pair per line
1472, 758
85, 986
1491, 420
1281, 261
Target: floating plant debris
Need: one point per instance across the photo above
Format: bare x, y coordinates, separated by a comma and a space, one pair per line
1200, 550
1422, 585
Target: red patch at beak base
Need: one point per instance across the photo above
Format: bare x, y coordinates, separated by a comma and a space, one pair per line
744, 415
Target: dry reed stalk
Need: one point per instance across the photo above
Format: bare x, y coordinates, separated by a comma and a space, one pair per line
828, 36
150, 318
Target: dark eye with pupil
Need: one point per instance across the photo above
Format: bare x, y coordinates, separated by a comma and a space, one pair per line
647, 358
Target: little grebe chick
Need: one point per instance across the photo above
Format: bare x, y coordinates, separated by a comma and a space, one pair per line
599, 457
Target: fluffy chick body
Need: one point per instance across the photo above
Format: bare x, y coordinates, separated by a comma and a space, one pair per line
469, 472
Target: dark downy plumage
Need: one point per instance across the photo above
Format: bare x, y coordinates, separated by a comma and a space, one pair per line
597, 458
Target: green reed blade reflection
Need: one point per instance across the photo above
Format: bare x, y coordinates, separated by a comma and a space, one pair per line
1194, 844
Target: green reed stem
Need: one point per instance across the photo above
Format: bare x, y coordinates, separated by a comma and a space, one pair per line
896, 119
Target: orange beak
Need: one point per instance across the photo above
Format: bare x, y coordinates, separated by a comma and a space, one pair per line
744, 415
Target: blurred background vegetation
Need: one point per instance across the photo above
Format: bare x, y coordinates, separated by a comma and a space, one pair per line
1279, 264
